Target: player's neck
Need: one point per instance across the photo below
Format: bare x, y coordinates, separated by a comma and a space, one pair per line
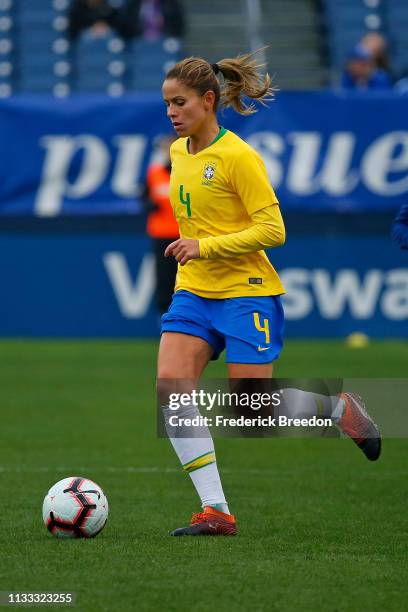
204, 137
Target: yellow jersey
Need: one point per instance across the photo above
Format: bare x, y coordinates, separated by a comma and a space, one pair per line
215, 192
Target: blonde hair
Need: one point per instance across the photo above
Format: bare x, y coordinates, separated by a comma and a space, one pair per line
242, 78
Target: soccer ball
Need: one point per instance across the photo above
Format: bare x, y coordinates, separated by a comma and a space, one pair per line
75, 507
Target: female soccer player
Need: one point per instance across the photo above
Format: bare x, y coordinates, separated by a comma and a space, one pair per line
227, 293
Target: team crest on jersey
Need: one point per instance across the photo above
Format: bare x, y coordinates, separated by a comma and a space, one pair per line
208, 173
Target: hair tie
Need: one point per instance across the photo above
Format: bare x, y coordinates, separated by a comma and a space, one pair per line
216, 68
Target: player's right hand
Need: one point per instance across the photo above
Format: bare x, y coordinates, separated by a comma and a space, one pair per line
183, 250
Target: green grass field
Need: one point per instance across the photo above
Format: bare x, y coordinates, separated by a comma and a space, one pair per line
321, 528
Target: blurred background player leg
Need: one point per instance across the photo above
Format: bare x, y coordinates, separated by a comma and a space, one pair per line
166, 270
161, 224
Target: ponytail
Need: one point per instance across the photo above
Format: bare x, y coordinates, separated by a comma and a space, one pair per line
242, 77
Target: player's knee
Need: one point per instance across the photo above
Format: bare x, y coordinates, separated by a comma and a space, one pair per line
163, 372
185, 366
164, 389
168, 389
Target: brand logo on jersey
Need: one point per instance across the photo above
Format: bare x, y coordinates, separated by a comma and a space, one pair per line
208, 173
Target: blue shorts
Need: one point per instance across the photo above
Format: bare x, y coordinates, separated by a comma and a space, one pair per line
249, 328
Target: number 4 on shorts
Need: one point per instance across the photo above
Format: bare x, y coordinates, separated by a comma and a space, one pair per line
259, 327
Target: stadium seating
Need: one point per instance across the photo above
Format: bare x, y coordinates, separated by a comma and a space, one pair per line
148, 61
41, 59
347, 20
397, 20
37, 56
99, 64
289, 28
7, 47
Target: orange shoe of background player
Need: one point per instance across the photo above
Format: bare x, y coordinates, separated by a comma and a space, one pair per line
209, 522
358, 424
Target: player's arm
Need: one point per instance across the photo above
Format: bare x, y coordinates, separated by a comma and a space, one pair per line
266, 232
250, 182
400, 227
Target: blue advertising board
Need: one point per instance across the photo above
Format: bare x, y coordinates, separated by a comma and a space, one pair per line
87, 155
102, 285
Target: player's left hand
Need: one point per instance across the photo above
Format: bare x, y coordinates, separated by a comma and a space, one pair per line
183, 250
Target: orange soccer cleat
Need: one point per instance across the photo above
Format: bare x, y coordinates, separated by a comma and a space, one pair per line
358, 424
209, 522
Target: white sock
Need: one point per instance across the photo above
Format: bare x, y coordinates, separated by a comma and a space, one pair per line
208, 486
194, 447
302, 404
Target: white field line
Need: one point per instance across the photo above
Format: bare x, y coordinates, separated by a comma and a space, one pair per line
84, 470
128, 469
6, 469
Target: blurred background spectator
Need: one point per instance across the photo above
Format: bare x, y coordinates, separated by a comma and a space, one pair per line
158, 18
361, 72
98, 15
150, 19
378, 47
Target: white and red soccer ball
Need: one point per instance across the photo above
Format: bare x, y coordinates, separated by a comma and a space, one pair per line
75, 507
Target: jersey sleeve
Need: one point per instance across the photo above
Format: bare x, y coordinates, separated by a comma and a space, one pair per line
250, 181
267, 231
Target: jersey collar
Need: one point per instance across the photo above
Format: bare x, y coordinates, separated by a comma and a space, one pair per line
220, 134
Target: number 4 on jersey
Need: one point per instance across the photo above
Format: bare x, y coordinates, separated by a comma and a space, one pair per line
185, 200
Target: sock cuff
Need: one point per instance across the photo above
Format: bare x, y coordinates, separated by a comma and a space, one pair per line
200, 462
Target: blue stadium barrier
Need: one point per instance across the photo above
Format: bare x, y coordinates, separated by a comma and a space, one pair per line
102, 285
337, 152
